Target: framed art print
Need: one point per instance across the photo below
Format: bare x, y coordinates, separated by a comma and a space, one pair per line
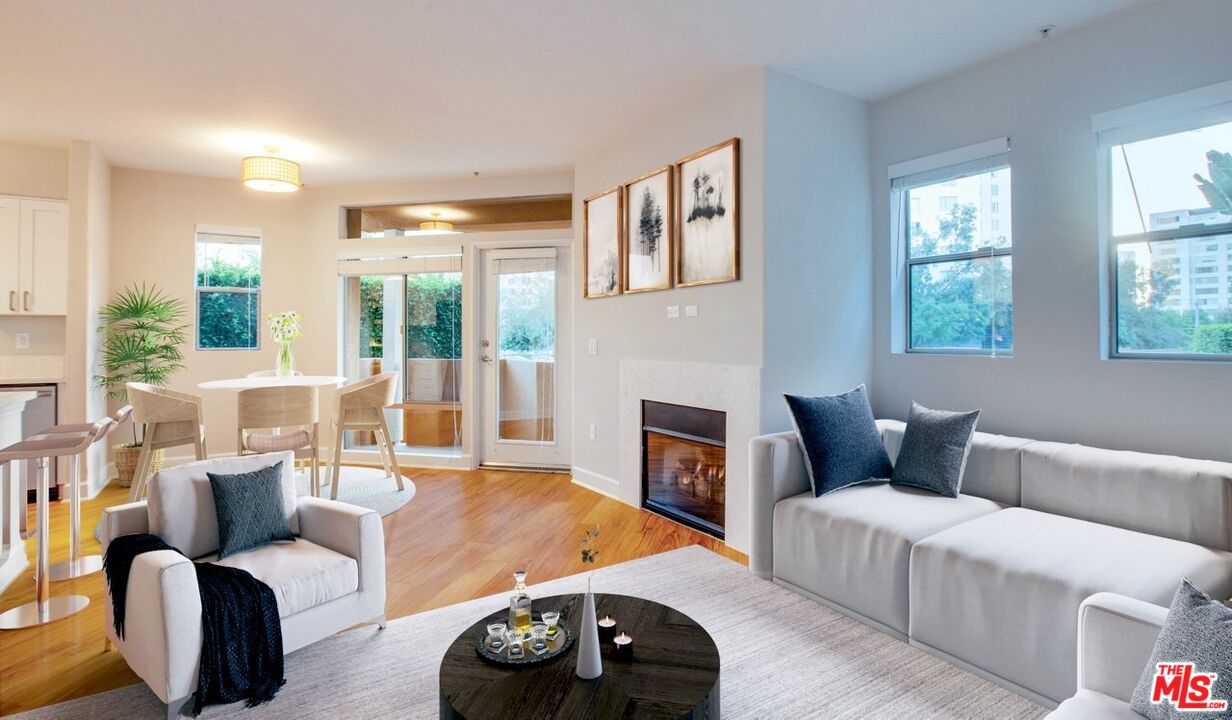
708, 200
601, 234
649, 232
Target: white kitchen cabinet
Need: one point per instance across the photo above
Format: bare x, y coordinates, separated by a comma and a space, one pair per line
33, 256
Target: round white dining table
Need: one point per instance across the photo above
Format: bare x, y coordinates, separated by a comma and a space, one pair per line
265, 381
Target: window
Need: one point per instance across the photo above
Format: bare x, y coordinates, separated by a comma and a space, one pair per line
228, 283
958, 268
1170, 196
994, 207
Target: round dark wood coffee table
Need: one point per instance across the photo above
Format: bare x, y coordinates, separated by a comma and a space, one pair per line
674, 672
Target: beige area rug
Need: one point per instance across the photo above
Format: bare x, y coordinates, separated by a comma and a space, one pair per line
783, 656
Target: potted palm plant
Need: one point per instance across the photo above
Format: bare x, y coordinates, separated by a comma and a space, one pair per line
142, 336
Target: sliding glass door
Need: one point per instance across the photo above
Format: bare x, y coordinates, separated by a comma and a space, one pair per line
410, 322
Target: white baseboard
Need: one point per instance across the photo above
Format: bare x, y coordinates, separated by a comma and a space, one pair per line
598, 483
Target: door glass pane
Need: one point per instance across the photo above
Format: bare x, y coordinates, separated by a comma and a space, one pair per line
526, 350
373, 304
1175, 296
432, 402
962, 305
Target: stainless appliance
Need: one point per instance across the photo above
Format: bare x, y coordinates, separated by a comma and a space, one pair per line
40, 414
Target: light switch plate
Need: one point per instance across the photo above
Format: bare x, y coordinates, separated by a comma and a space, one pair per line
593, 432
673, 311
592, 346
23, 341
690, 311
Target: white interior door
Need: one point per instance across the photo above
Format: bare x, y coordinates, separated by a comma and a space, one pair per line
524, 372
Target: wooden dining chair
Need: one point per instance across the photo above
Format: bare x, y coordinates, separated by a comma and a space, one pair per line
276, 419
171, 419
361, 406
269, 373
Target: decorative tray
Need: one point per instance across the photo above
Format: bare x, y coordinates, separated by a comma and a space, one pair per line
558, 644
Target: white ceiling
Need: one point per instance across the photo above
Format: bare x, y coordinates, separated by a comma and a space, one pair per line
411, 88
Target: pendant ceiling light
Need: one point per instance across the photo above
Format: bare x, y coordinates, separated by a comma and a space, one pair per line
270, 174
436, 225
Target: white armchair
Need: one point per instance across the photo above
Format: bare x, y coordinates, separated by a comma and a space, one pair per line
331, 578
1116, 635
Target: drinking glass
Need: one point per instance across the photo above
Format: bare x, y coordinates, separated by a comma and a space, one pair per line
496, 636
539, 638
515, 638
551, 618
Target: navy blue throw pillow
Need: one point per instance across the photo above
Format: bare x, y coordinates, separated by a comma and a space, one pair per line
842, 446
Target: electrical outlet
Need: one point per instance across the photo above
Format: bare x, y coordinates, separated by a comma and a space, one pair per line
593, 431
690, 311
592, 346
673, 311
23, 341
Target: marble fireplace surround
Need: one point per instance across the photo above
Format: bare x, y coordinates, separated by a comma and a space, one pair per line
732, 389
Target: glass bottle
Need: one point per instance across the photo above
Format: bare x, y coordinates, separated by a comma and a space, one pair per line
519, 605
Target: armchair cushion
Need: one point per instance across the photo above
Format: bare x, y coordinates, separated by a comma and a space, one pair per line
181, 502
249, 507
302, 575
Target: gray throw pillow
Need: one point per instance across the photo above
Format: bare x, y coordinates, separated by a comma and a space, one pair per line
933, 454
249, 509
1198, 634
842, 446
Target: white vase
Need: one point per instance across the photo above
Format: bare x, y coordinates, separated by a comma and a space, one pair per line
589, 664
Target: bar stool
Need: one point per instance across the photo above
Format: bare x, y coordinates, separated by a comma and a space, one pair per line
78, 565
44, 450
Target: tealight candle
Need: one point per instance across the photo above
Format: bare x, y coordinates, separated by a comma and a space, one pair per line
624, 646
607, 628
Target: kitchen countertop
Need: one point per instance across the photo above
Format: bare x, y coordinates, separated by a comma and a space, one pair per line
31, 369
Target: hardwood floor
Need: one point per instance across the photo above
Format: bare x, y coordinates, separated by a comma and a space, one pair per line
461, 537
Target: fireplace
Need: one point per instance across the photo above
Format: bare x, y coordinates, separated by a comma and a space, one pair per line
684, 464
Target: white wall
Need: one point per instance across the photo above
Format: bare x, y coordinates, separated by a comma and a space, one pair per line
89, 249
33, 171
818, 261
1056, 386
728, 329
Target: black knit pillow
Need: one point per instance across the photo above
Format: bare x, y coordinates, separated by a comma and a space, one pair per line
249, 509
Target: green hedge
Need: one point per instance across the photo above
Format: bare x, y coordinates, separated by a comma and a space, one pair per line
1213, 339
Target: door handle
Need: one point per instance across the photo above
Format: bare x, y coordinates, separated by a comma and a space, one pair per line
25, 301
485, 358
12, 301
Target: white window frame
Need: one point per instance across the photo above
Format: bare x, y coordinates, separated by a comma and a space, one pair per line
1190, 110
239, 236
951, 165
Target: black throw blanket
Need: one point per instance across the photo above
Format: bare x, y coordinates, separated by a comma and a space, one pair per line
241, 633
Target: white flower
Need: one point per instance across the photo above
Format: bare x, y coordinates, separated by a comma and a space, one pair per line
285, 326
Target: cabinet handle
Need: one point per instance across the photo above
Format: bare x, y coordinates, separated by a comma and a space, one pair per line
25, 301
12, 301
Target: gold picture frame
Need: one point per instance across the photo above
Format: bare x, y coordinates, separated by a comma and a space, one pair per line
655, 273
606, 278
708, 193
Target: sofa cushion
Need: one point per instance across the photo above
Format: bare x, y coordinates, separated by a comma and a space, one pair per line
852, 547
1199, 631
934, 449
302, 574
181, 502
1175, 497
1091, 705
1002, 592
993, 466
842, 444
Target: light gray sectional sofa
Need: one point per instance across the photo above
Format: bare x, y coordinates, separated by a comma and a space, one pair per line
992, 580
